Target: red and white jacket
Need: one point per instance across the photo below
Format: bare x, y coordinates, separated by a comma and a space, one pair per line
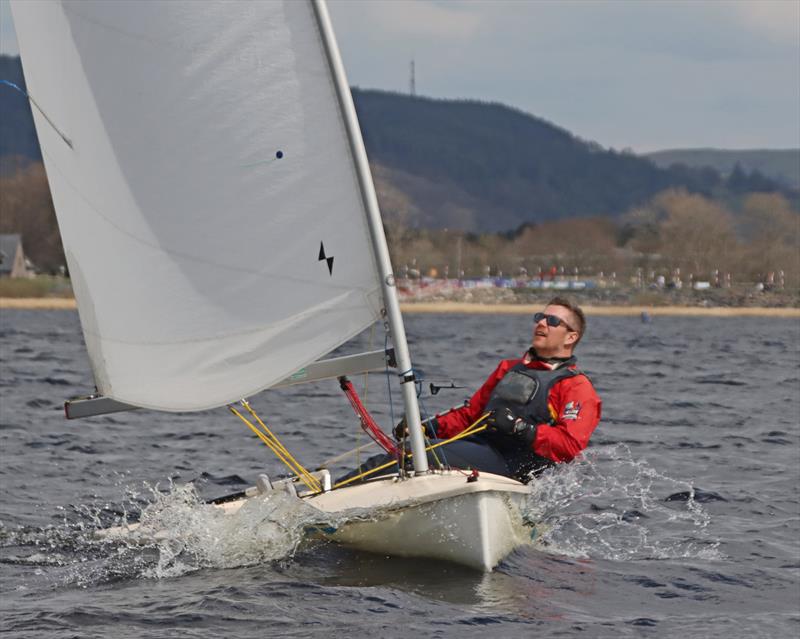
573, 403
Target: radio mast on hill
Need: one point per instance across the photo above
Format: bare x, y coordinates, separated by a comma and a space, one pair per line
412, 84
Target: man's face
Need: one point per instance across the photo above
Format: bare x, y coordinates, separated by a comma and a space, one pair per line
555, 341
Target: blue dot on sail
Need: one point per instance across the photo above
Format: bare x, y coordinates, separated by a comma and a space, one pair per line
279, 154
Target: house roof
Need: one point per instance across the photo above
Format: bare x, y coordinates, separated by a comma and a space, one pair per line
8, 249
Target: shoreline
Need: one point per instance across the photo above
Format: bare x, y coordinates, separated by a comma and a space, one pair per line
613, 310
38, 303
471, 308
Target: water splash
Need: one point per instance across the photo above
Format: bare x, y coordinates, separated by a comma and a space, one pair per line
190, 534
177, 533
608, 505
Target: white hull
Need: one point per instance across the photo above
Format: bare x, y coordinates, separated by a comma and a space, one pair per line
438, 515
435, 516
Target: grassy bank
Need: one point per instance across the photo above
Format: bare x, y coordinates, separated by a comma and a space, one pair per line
41, 286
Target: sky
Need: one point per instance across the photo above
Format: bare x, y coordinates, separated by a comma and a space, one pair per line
627, 74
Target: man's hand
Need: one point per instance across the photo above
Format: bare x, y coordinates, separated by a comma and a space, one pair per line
401, 430
506, 422
502, 420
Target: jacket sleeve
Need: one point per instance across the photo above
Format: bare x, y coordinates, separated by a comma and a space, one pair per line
460, 419
578, 410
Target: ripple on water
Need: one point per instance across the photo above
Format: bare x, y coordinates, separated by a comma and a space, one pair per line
611, 506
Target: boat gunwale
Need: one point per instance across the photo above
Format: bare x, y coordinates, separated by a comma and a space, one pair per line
497, 483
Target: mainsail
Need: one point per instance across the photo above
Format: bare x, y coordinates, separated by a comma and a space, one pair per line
207, 197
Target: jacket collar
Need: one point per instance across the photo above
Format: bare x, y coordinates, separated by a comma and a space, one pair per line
552, 363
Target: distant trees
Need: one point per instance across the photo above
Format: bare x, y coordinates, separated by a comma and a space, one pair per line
696, 233
675, 231
773, 229
26, 208
584, 243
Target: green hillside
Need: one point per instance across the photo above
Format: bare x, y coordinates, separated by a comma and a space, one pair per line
782, 165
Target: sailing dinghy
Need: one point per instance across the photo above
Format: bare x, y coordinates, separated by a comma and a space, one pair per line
201, 153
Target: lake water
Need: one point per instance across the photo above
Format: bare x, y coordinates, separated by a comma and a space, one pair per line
683, 518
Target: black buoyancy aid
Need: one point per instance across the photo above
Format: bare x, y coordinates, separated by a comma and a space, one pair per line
525, 391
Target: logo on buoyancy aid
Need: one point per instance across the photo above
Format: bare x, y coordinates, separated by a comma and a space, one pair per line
571, 410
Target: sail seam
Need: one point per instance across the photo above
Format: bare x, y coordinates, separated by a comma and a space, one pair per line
178, 254
211, 338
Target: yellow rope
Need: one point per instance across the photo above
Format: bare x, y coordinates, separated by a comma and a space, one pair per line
279, 445
471, 430
278, 448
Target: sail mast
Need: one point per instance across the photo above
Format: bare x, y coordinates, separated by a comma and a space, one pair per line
377, 236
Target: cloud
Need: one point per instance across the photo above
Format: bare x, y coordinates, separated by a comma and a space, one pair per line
778, 20
416, 18
8, 37
642, 74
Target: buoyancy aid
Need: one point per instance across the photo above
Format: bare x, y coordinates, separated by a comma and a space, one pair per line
525, 391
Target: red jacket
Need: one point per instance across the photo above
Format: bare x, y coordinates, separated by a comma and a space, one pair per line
574, 405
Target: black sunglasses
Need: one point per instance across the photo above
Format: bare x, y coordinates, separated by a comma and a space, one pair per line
552, 320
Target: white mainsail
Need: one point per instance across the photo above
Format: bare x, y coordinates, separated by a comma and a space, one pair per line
222, 230
207, 198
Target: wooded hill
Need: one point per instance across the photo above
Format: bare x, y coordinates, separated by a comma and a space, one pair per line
486, 167
466, 165
781, 165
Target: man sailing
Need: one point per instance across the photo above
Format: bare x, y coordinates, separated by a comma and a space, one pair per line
539, 409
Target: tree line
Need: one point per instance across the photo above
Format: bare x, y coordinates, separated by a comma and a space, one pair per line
675, 229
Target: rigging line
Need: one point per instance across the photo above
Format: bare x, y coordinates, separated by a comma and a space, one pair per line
354, 451
424, 411
366, 389
278, 443
367, 422
389, 381
366, 373
269, 443
402, 447
261, 436
474, 428
277, 448
424, 414
40, 110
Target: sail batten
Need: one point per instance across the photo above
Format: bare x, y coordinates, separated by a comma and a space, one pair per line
209, 163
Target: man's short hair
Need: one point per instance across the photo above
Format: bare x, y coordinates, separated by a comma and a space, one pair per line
576, 311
